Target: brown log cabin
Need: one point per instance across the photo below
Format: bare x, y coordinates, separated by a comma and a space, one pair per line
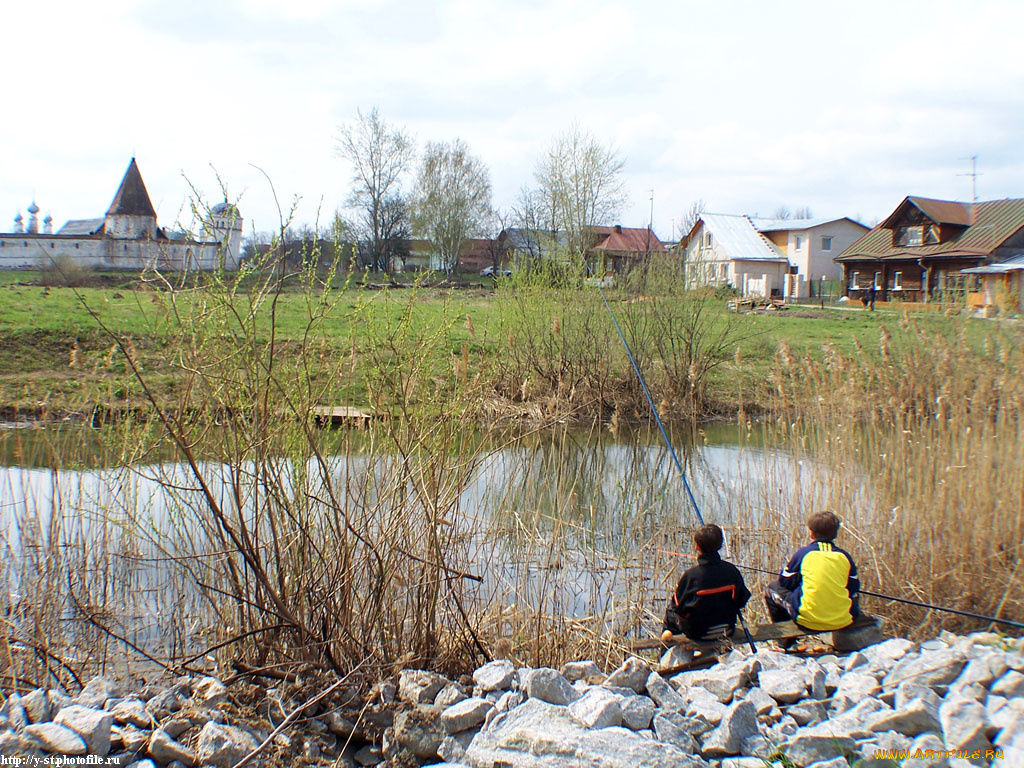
920, 250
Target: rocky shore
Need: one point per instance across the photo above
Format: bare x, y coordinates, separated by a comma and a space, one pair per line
952, 701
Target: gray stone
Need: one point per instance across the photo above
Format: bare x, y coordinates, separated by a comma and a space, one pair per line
757, 746
166, 703
540, 735
37, 706
857, 639
597, 708
854, 723
807, 712
674, 657
1009, 714
663, 694
449, 695
913, 718
931, 667
495, 675
96, 693
817, 689
420, 731
176, 726
147, 763
853, 661
911, 690
548, 685
808, 748
509, 700
223, 745
465, 714
837, 762
580, 670
164, 749
451, 749
637, 712
338, 724
930, 751
133, 740
884, 654
677, 730
762, 702
210, 691
738, 723
93, 725
721, 681
632, 674
704, 705
854, 687
963, 725
418, 686
56, 739
368, 755
1009, 685
784, 685
133, 712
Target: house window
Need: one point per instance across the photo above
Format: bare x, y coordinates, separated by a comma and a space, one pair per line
853, 280
913, 236
897, 281
878, 281
721, 272
826, 243
799, 242
707, 240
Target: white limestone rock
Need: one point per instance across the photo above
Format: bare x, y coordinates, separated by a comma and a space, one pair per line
210, 691
449, 695
495, 675
784, 685
854, 687
1010, 685
597, 708
93, 725
542, 735
763, 703
164, 749
912, 719
419, 686
805, 748
703, 705
223, 745
884, 654
632, 674
933, 668
580, 670
807, 712
96, 693
549, 685
132, 711
637, 712
37, 705
738, 723
56, 739
465, 714
930, 750
963, 725
663, 694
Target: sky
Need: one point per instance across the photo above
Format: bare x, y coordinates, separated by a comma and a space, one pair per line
844, 108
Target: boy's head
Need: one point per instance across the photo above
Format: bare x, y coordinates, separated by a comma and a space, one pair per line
824, 526
708, 539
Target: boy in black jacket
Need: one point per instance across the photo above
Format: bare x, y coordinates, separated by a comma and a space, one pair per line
710, 595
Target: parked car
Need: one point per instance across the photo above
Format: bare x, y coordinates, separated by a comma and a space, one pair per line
489, 272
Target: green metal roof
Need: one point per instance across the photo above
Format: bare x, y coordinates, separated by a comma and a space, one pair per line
995, 221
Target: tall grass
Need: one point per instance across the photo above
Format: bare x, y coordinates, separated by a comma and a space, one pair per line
934, 422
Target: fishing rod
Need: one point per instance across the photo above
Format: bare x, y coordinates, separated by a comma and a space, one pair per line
893, 598
661, 427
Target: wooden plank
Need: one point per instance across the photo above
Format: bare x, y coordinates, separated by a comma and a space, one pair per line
340, 414
759, 633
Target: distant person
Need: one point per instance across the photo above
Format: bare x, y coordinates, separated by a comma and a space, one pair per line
818, 588
872, 292
709, 596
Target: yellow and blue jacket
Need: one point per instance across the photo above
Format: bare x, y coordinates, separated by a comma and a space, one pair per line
824, 586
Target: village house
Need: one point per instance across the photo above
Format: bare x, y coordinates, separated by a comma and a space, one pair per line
929, 248
612, 249
127, 237
475, 254
766, 257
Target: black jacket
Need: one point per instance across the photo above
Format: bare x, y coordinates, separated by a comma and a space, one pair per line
710, 593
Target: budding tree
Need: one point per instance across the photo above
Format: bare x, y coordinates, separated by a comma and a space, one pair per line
452, 200
380, 154
579, 182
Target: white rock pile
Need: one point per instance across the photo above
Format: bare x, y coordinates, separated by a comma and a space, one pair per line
178, 725
953, 701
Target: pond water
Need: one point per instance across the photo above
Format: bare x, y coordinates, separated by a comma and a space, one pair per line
615, 503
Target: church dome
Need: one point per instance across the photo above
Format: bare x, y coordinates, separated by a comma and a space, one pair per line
225, 209
33, 209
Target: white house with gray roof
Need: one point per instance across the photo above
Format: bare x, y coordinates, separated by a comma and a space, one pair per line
766, 257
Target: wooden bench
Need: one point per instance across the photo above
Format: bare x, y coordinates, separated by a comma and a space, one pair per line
759, 633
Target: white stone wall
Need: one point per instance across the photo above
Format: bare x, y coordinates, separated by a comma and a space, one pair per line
132, 227
41, 252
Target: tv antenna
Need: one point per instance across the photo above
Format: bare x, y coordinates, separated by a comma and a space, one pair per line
974, 176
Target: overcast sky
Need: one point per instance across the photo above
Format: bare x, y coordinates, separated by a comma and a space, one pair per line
845, 108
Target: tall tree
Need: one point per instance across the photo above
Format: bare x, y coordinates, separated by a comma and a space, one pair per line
580, 182
452, 200
690, 216
380, 155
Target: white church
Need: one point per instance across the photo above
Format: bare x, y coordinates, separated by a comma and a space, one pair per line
127, 238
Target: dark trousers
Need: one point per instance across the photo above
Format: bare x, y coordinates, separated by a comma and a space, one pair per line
777, 600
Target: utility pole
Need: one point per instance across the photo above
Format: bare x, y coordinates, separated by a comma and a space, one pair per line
650, 225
